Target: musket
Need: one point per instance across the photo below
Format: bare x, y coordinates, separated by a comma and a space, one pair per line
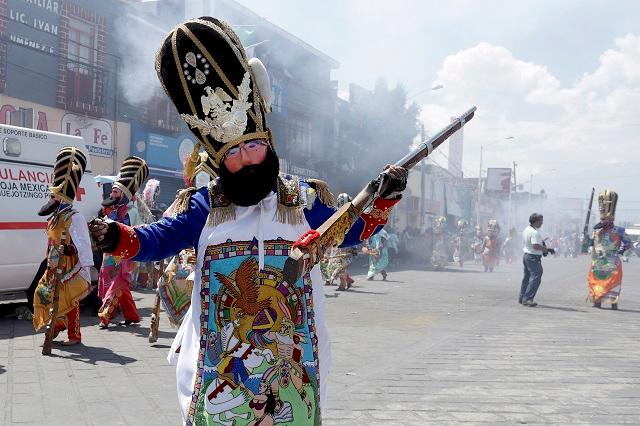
53, 311
585, 231
307, 250
155, 310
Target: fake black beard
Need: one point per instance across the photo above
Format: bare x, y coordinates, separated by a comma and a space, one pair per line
49, 208
249, 185
110, 201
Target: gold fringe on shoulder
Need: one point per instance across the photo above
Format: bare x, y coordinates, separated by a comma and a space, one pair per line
182, 200
218, 215
290, 215
322, 191
220, 209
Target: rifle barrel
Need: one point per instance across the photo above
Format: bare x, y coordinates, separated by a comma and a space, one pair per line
427, 147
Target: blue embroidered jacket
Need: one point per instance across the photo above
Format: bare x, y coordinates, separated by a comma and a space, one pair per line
170, 235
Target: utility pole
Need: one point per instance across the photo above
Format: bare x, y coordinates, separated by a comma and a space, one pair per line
514, 207
422, 180
479, 188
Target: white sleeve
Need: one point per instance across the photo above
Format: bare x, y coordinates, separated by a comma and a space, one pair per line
536, 238
80, 237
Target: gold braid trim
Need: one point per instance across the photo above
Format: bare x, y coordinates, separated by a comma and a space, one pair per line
322, 191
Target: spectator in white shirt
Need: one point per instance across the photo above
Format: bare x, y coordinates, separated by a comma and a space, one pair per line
533, 248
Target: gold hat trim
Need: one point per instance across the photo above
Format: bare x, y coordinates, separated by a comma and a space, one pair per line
124, 189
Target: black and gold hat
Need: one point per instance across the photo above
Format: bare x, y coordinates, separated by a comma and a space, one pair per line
132, 174
67, 173
607, 202
222, 95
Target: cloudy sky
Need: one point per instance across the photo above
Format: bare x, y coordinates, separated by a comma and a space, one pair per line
561, 77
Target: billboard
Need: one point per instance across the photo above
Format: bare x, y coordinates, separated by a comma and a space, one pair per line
162, 153
498, 181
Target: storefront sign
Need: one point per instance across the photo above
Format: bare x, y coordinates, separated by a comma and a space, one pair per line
98, 134
34, 24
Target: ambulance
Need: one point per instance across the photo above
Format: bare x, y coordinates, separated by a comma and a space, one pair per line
27, 157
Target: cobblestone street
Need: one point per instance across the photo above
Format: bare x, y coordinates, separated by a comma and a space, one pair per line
450, 347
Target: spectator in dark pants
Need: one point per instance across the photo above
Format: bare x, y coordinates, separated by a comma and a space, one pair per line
533, 248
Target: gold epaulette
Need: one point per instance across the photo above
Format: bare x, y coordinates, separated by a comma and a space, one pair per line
322, 191
183, 197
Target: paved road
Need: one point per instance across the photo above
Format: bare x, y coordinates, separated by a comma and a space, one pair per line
449, 347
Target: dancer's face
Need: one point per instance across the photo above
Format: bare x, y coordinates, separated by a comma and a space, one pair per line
245, 154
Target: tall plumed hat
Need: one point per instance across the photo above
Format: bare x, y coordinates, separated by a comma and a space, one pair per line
132, 174
607, 201
67, 173
222, 95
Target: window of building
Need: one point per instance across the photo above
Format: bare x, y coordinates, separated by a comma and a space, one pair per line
83, 76
161, 113
299, 139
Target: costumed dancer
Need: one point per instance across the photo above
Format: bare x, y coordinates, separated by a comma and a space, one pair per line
341, 257
476, 245
440, 253
376, 248
144, 272
608, 243
250, 336
509, 246
461, 242
491, 246
69, 253
114, 280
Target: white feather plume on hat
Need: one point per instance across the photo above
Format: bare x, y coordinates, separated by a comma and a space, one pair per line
261, 79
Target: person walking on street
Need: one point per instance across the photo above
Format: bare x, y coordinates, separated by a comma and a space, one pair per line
68, 237
608, 243
534, 248
114, 283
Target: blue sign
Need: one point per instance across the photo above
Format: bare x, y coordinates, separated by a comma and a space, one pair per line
161, 151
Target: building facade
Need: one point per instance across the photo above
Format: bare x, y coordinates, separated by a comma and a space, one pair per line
58, 72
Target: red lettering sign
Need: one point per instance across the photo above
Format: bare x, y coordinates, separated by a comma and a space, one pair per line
80, 193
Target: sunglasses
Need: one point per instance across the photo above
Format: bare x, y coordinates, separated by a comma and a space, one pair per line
250, 146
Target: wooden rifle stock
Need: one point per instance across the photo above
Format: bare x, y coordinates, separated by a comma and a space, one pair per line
308, 250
